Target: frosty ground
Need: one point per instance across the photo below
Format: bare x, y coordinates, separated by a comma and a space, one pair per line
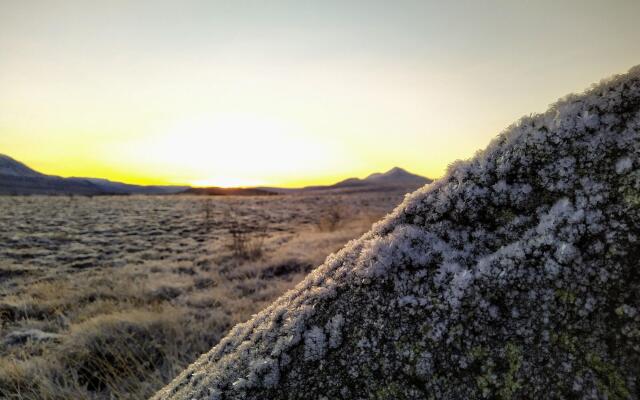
113, 296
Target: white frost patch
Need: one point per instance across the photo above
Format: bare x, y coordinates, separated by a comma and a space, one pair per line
315, 344
460, 282
334, 327
623, 165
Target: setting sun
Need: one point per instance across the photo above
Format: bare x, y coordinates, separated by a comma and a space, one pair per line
224, 150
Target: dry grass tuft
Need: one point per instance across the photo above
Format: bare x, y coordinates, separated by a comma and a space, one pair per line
121, 355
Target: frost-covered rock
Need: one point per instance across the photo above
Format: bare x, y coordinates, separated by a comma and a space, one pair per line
514, 276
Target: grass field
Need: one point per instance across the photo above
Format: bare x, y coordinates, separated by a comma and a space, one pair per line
111, 297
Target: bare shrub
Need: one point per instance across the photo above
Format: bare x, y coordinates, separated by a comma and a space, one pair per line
247, 243
247, 239
332, 217
207, 208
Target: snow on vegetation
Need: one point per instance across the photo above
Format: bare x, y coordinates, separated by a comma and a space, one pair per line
514, 276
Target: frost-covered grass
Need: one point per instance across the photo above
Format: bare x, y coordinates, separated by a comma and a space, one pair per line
111, 297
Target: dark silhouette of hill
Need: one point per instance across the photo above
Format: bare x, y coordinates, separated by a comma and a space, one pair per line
395, 178
18, 179
126, 188
11, 167
515, 276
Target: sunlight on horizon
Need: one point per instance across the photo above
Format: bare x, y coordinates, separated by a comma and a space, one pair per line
225, 182
232, 149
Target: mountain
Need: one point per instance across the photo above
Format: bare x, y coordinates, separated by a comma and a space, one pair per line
16, 178
126, 188
11, 167
395, 178
514, 276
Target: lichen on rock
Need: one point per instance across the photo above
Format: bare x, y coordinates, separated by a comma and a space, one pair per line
516, 275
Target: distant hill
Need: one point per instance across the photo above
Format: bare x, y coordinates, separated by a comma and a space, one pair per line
393, 179
126, 188
18, 179
11, 167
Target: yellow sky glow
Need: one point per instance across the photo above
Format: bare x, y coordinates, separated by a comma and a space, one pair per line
277, 93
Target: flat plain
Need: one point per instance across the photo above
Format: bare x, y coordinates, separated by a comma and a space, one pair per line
111, 297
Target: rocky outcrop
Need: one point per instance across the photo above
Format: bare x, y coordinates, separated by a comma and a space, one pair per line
516, 275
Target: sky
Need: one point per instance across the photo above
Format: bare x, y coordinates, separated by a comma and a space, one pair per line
288, 93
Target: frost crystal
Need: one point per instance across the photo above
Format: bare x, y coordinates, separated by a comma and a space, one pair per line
623, 165
314, 344
334, 326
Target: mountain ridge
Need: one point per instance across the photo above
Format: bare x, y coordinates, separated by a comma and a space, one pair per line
10, 166
18, 178
394, 178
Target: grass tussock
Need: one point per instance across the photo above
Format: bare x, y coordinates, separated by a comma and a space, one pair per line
123, 355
